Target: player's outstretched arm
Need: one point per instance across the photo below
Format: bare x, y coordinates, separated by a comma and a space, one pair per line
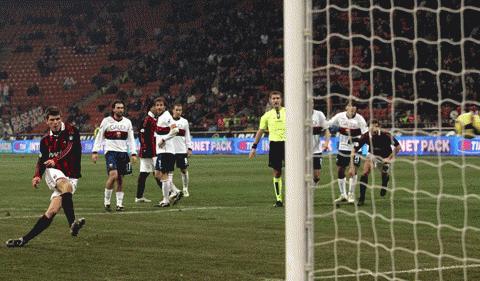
395, 151
36, 181
253, 150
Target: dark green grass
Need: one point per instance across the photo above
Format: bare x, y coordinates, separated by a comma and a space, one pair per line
228, 229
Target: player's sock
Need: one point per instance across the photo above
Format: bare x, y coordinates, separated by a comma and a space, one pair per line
165, 189
108, 196
40, 226
352, 182
173, 187
277, 185
119, 195
159, 183
363, 187
185, 180
142, 178
341, 186
67, 205
385, 178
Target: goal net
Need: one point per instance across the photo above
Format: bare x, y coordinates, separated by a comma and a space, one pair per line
414, 66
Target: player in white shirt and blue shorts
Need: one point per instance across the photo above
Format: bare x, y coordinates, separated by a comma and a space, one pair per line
351, 127
183, 146
166, 131
116, 138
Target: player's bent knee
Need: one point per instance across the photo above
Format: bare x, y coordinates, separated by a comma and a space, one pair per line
63, 185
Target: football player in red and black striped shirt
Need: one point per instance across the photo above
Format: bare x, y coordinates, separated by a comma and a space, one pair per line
380, 154
147, 153
60, 156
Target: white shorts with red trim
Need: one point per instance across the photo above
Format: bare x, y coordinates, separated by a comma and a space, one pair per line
52, 176
147, 165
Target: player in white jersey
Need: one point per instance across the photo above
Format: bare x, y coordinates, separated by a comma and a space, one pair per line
183, 145
320, 127
166, 130
351, 127
117, 138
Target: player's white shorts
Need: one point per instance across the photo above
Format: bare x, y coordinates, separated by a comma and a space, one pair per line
147, 165
51, 177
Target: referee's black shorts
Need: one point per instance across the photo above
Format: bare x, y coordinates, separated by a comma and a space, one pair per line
276, 156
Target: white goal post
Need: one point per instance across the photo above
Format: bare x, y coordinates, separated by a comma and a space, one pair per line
391, 85
298, 110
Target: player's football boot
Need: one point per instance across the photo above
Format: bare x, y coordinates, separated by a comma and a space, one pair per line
278, 204
108, 208
360, 202
185, 193
341, 199
142, 200
120, 208
163, 204
383, 192
14, 243
177, 197
350, 198
76, 226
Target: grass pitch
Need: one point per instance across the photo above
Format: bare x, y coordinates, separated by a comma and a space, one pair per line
228, 230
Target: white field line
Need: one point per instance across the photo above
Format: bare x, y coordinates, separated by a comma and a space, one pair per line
399, 271
159, 210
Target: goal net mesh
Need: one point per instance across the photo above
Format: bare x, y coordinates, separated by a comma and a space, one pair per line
414, 66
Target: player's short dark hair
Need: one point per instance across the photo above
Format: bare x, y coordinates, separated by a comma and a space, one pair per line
277, 93
470, 107
351, 102
177, 104
52, 111
374, 121
160, 99
114, 103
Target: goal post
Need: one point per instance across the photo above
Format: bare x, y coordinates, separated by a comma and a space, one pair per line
296, 80
407, 63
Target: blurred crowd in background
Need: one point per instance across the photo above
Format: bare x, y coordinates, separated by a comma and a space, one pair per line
221, 59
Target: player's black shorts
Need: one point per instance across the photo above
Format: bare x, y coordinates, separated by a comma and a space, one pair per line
276, 155
181, 160
343, 159
317, 161
118, 161
165, 162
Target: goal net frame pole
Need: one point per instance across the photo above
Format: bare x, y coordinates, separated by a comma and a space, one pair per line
298, 167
